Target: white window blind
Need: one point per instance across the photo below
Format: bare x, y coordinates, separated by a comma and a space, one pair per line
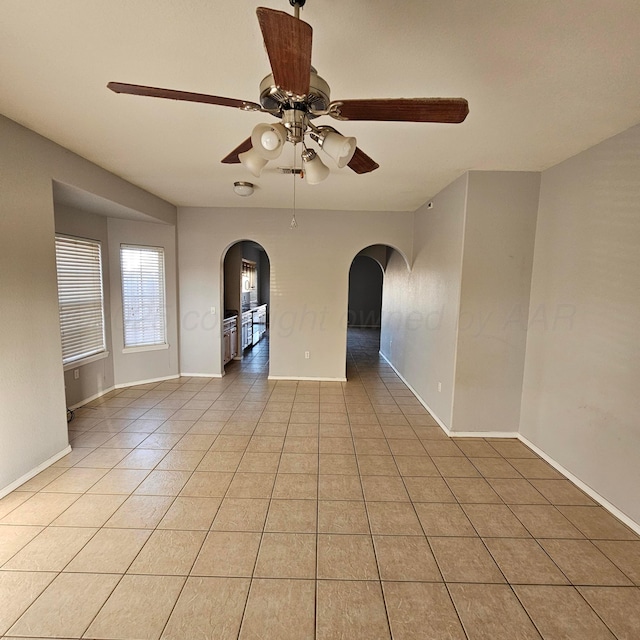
80, 298
143, 295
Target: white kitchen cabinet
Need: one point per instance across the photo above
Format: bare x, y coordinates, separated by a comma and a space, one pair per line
230, 338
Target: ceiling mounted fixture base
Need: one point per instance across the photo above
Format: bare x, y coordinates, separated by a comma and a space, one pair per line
274, 99
243, 189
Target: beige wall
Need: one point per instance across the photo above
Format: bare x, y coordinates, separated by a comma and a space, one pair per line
581, 397
497, 260
308, 289
33, 425
122, 368
420, 308
137, 366
233, 279
455, 327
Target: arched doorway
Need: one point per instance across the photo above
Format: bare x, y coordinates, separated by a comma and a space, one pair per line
246, 295
365, 292
365, 319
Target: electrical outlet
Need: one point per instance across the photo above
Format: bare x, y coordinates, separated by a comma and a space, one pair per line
440, 387
306, 355
76, 374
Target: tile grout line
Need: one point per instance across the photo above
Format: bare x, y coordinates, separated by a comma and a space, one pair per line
142, 547
316, 582
375, 551
462, 627
255, 562
255, 377
156, 529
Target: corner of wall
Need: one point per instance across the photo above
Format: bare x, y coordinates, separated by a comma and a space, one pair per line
499, 235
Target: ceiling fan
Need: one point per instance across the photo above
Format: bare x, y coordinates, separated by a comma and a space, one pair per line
296, 95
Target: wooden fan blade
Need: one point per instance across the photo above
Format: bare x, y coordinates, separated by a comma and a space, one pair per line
232, 158
288, 43
362, 163
451, 110
171, 94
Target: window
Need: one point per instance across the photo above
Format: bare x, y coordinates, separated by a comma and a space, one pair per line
80, 298
143, 296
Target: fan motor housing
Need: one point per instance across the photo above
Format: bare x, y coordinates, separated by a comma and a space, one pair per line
273, 98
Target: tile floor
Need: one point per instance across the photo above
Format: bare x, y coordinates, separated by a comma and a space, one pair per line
241, 508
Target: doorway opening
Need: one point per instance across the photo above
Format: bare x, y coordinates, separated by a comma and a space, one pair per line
365, 292
364, 312
246, 291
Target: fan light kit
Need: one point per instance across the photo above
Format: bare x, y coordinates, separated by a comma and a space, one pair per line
295, 94
243, 189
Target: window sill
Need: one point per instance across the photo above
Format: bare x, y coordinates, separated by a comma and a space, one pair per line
80, 363
149, 347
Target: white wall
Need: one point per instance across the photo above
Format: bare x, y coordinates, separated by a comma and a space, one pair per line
33, 425
420, 309
494, 301
581, 400
233, 279
458, 321
137, 366
94, 377
309, 281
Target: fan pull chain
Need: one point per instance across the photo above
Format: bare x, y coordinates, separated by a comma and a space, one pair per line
294, 223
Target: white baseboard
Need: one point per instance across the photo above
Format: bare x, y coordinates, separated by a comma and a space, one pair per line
634, 526
150, 380
201, 375
90, 398
34, 472
95, 396
441, 424
305, 379
452, 434
592, 493
484, 434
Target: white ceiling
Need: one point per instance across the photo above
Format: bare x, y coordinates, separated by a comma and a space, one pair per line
544, 79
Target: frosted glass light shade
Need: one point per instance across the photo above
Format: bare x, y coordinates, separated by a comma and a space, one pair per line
268, 140
253, 161
315, 170
338, 147
243, 189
